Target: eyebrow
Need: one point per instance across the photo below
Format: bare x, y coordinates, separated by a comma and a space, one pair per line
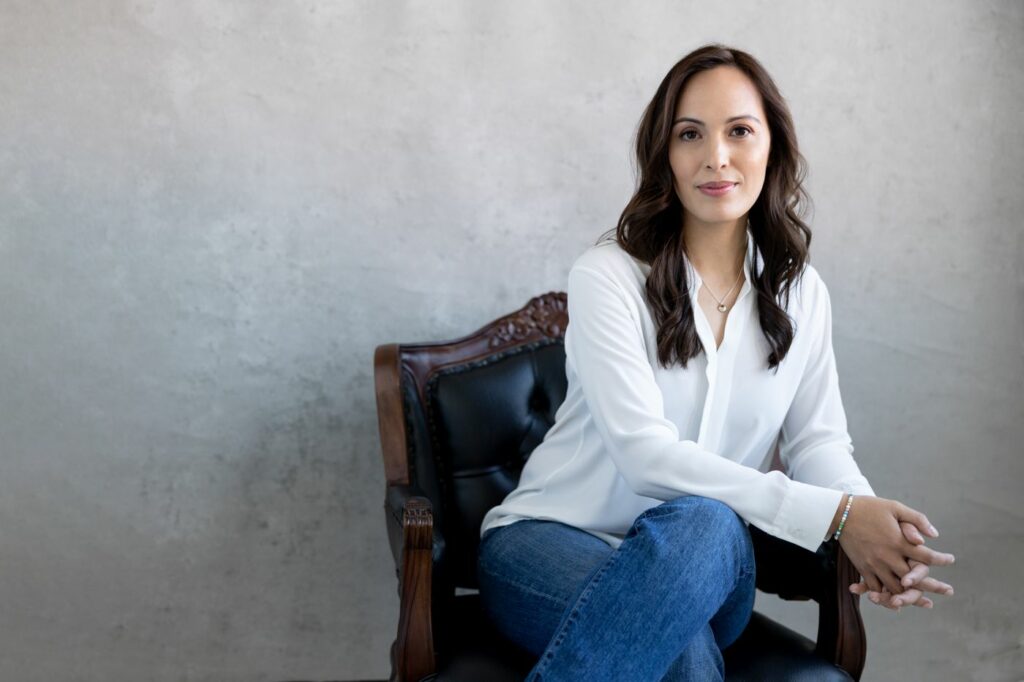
700, 122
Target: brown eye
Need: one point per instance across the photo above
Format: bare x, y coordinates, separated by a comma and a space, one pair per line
745, 129
683, 135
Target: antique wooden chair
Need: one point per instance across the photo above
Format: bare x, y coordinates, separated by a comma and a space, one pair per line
458, 419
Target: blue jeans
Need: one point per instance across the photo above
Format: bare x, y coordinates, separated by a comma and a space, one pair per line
662, 606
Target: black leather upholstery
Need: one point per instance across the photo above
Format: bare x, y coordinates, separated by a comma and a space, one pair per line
765, 651
485, 419
769, 651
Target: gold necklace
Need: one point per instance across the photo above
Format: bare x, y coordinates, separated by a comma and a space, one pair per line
722, 307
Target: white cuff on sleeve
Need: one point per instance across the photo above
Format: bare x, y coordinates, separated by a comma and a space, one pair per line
806, 514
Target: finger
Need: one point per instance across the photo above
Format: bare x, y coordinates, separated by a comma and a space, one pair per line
911, 533
905, 513
899, 568
877, 598
872, 582
885, 599
868, 578
935, 586
927, 555
925, 603
907, 598
858, 588
918, 572
891, 580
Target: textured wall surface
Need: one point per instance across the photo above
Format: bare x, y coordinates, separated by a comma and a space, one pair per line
212, 211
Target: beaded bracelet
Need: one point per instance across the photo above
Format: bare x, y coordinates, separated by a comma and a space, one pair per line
842, 521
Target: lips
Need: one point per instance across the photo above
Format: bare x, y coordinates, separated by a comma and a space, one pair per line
716, 189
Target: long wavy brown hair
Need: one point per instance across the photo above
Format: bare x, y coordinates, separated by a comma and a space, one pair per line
651, 226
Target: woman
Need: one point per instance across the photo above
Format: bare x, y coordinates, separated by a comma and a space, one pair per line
699, 338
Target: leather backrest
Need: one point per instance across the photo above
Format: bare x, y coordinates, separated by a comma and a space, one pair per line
483, 419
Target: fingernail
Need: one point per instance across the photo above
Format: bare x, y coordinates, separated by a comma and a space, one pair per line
934, 530
897, 603
928, 605
874, 598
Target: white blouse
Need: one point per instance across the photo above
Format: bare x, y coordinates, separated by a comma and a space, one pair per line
632, 434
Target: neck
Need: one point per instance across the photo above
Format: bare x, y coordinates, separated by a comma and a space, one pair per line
716, 250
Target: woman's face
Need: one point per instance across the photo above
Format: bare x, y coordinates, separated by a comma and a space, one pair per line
719, 136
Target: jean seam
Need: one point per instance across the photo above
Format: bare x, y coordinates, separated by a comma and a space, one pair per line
525, 588
571, 620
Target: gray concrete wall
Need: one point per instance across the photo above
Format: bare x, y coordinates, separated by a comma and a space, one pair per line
211, 212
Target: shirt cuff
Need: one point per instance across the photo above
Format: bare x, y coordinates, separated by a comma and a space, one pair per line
806, 514
857, 485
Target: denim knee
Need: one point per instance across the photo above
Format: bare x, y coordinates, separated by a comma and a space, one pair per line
719, 524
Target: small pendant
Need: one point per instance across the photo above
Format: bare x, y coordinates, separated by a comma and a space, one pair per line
722, 307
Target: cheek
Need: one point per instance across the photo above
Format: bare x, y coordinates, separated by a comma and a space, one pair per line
684, 168
764, 156
758, 164
678, 173
675, 162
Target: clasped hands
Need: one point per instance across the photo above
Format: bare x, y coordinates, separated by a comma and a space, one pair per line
885, 541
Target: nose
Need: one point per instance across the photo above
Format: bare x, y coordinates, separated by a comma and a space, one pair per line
718, 155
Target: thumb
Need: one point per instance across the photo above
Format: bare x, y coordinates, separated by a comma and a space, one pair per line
905, 513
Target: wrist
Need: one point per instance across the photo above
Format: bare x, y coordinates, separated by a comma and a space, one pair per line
838, 516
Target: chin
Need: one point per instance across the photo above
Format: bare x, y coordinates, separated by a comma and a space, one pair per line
719, 217
723, 214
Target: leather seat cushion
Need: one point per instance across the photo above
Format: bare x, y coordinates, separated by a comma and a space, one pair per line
765, 651
768, 650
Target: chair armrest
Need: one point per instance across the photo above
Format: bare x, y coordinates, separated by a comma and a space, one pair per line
841, 635
395, 501
794, 573
414, 543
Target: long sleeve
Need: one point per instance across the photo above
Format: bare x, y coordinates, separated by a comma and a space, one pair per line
815, 446
604, 346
